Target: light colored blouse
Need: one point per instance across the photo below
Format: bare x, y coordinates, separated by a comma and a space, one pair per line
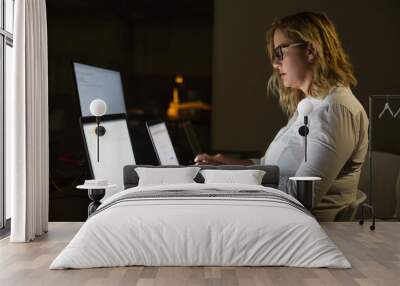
337, 146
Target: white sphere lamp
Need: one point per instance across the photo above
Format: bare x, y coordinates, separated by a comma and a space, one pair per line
305, 107
98, 107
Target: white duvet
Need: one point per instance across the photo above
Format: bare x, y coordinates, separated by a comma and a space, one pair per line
200, 231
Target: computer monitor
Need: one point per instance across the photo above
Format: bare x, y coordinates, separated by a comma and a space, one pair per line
115, 148
94, 82
162, 143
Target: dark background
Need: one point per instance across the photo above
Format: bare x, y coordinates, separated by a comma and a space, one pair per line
219, 47
370, 34
149, 42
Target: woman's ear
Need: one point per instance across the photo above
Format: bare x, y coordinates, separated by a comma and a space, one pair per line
311, 53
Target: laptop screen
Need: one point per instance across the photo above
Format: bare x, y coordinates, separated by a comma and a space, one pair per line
162, 143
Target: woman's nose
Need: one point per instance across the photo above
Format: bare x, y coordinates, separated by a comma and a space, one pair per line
276, 63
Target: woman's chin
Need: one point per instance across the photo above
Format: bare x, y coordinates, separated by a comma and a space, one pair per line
287, 84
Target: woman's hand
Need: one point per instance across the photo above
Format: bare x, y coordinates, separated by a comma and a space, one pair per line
206, 159
219, 159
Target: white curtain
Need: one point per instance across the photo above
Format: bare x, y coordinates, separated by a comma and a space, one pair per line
27, 168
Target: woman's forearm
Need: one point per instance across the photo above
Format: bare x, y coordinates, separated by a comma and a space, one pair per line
220, 159
232, 161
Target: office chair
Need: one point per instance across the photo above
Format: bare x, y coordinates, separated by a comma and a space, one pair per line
350, 211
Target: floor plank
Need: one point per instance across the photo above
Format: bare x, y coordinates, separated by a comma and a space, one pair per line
375, 257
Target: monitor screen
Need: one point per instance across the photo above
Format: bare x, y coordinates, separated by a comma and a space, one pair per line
115, 151
162, 144
93, 82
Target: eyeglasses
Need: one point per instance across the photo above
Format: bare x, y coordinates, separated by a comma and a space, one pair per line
278, 51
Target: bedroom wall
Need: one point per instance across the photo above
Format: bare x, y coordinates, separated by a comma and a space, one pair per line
244, 118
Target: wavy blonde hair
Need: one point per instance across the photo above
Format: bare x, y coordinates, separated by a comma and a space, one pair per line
332, 66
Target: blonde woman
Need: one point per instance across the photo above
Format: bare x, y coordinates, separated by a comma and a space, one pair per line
310, 64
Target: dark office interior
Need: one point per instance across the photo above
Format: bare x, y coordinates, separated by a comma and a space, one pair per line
219, 49
149, 43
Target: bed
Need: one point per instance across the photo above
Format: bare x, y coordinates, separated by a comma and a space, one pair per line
201, 224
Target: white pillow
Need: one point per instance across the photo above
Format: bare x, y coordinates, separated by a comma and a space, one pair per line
248, 177
162, 176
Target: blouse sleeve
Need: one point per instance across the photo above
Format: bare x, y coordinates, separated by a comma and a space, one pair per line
331, 141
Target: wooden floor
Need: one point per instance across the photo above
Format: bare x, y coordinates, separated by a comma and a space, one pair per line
375, 256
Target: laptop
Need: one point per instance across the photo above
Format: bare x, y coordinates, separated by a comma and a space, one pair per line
162, 142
